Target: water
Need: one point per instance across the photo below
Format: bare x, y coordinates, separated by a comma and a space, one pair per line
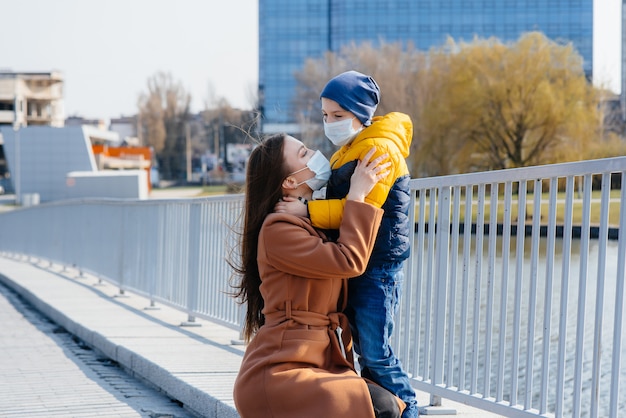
469, 347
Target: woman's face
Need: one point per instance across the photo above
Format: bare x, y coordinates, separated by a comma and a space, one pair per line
296, 156
332, 112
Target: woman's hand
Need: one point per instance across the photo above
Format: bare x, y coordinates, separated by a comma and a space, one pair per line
366, 174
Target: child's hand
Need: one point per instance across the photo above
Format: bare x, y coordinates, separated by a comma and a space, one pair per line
291, 205
366, 174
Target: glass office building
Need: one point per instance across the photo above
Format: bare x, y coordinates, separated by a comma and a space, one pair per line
290, 31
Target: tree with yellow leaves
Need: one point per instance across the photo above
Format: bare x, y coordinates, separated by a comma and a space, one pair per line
163, 112
528, 102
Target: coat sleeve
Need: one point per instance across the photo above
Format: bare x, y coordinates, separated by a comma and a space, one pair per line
328, 213
301, 252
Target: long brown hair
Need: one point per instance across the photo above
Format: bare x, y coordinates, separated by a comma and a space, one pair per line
264, 176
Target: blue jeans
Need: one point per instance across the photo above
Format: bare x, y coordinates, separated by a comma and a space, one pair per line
373, 301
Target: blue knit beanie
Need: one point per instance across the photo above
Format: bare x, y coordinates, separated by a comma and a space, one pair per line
355, 92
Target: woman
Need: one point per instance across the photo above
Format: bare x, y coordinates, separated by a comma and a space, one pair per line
298, 363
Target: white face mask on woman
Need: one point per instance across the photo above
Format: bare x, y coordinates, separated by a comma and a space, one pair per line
321, 167
341, 132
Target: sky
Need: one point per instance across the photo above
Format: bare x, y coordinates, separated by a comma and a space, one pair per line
107, 50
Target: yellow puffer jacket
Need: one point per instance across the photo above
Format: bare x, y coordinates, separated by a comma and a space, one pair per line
391, 134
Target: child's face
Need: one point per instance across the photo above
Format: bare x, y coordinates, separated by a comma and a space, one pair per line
332, 112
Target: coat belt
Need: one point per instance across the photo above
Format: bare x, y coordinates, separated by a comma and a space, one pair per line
335, 321
315, 319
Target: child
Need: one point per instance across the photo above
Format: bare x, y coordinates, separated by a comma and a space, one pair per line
349, 101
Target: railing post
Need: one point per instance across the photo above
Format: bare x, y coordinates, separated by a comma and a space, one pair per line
619, 304
123, 252
154, 234
442, 254
194, 227
242, 319
441, 276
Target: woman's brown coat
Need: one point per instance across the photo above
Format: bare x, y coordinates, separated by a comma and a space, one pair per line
294, 367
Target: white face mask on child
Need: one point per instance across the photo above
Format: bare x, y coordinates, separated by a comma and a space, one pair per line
341, 132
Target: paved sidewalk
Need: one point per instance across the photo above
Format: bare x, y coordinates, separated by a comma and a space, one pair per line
45, 372
196, 366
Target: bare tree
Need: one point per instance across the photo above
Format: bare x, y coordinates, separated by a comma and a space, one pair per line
224, 127
164, 110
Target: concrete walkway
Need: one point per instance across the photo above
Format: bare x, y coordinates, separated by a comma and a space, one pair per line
46, 372
195, 366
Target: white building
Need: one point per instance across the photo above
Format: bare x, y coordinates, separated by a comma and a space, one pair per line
31, 98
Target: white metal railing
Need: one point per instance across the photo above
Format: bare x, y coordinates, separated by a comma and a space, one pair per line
171, 251
507, 320
520, 324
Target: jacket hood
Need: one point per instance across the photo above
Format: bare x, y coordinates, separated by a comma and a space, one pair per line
394, 126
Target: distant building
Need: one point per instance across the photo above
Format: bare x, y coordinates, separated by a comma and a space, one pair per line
43, 154
126, 127
28, 99
80, 121
292, 31
31, 98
